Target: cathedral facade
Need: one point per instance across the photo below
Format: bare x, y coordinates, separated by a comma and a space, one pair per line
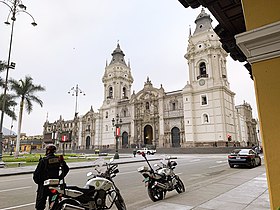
202, 113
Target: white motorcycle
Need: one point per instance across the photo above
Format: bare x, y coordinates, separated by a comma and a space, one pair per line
161, 179
99, 192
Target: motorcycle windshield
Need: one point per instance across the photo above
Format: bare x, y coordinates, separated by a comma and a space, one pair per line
164, 160
100, 165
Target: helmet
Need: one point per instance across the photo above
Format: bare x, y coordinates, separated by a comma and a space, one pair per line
50, 148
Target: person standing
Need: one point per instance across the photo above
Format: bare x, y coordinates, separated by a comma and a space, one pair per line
48, 168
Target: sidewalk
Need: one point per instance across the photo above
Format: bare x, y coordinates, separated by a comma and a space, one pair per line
246, 190
243, 191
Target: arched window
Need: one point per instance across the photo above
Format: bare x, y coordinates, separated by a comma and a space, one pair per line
110, 92
147, 105
124, 92
205, 118
124, 113
202, 68
106, 116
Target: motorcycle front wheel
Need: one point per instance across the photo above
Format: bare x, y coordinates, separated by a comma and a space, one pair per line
120, 203
155, 193
179, 187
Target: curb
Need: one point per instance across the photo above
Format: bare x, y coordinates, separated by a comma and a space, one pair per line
30, 171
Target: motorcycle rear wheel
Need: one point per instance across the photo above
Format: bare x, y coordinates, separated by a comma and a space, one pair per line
180, 188
155, 193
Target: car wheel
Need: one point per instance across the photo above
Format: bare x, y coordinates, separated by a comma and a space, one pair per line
253, 163
231, 165
260, 163
148, 153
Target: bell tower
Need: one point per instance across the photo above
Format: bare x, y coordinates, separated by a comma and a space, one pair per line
117, 78
208, 101
205, 55
117, 81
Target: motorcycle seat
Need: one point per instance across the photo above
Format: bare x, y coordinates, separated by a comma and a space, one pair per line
82, 189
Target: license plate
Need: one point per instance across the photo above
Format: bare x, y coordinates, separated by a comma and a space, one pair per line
238, 158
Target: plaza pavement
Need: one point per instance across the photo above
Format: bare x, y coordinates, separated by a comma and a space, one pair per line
246, 190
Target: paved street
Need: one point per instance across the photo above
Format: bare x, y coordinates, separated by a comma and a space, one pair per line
209, 182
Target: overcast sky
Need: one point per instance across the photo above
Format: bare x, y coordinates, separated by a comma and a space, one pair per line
74, 39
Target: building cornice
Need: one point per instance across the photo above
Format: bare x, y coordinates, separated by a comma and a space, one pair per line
261, 43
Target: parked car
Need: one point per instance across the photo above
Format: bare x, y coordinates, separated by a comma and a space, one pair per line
146, 151
244, 157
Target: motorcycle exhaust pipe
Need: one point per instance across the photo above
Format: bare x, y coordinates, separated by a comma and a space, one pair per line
163, 186
71, 207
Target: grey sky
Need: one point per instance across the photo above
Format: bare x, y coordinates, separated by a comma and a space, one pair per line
74, 39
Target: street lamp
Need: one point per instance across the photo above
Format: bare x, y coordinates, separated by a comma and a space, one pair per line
15, 7
75, 91
117, 123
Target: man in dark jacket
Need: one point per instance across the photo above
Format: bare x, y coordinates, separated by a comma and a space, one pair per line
49, 167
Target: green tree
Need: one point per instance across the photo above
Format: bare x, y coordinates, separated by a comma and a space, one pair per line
2, 68
10, 103
26, 91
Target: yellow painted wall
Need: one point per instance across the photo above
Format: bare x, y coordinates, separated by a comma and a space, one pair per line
267, 85
258, 13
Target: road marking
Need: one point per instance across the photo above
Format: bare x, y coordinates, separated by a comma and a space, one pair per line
195, 160
11, 180
217, 165
129, 172
19, 188
221, 161
20, 206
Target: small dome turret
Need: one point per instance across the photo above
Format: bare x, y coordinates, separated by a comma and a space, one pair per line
203, 22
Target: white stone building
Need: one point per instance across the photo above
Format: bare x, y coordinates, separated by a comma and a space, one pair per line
203, 113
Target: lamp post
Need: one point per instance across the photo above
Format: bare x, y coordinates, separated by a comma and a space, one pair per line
117, 123
15, 6
75, 91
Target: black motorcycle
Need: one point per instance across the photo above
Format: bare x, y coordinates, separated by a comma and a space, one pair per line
161, 179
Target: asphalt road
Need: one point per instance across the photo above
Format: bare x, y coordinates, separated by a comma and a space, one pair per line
18, 192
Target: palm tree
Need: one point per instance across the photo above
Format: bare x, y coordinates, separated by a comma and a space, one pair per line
9, 99
9, 103
2, 68
25, 90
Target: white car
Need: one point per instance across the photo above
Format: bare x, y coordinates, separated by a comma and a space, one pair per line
146, 151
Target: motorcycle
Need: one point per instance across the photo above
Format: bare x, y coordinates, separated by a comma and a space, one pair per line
161, 179
99, 192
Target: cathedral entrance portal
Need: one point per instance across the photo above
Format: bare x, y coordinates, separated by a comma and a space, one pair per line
124, 140
148, 135
87, 142
175, 137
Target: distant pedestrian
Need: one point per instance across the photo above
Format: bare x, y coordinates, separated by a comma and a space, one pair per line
134, 152
48, 168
